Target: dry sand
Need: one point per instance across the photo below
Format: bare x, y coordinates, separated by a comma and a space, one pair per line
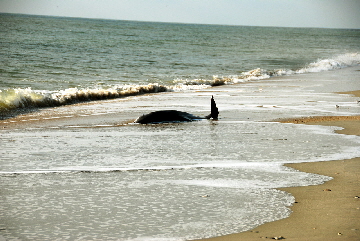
330, 211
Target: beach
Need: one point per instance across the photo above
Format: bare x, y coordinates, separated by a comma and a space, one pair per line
330, 211
75, 166
66, 147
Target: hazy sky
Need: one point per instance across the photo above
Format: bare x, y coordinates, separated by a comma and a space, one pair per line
288, 13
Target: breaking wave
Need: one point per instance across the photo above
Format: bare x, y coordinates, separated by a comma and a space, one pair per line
338, 62
27, 98
12, 99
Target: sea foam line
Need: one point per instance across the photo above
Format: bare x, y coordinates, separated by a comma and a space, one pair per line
270, 167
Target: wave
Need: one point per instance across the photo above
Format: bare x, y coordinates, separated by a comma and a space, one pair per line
255, 74
14, 99
11, 99
338, 62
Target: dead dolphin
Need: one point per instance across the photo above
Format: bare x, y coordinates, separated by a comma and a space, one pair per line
166, 116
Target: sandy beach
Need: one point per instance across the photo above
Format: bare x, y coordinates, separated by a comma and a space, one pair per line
74, 164
330, 211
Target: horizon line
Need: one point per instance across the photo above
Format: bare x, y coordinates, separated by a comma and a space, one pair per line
169, 22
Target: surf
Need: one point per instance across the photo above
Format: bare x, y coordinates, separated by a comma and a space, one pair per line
14, 99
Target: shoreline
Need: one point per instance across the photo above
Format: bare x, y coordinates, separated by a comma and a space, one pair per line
318, 213
330, 211
310, 219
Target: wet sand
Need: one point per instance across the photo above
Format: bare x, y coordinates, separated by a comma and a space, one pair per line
330, 211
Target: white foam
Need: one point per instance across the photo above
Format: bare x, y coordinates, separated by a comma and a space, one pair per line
337, 62
269, 167
24, 98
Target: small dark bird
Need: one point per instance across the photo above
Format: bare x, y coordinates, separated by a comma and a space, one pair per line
168, 116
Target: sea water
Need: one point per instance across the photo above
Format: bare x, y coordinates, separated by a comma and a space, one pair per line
80, 170
48, 61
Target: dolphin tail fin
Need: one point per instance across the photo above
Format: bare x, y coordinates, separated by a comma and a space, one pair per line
214, 110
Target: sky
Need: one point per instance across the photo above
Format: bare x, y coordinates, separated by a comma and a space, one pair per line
282, 13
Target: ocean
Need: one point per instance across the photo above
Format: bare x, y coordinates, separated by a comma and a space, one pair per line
75, 167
